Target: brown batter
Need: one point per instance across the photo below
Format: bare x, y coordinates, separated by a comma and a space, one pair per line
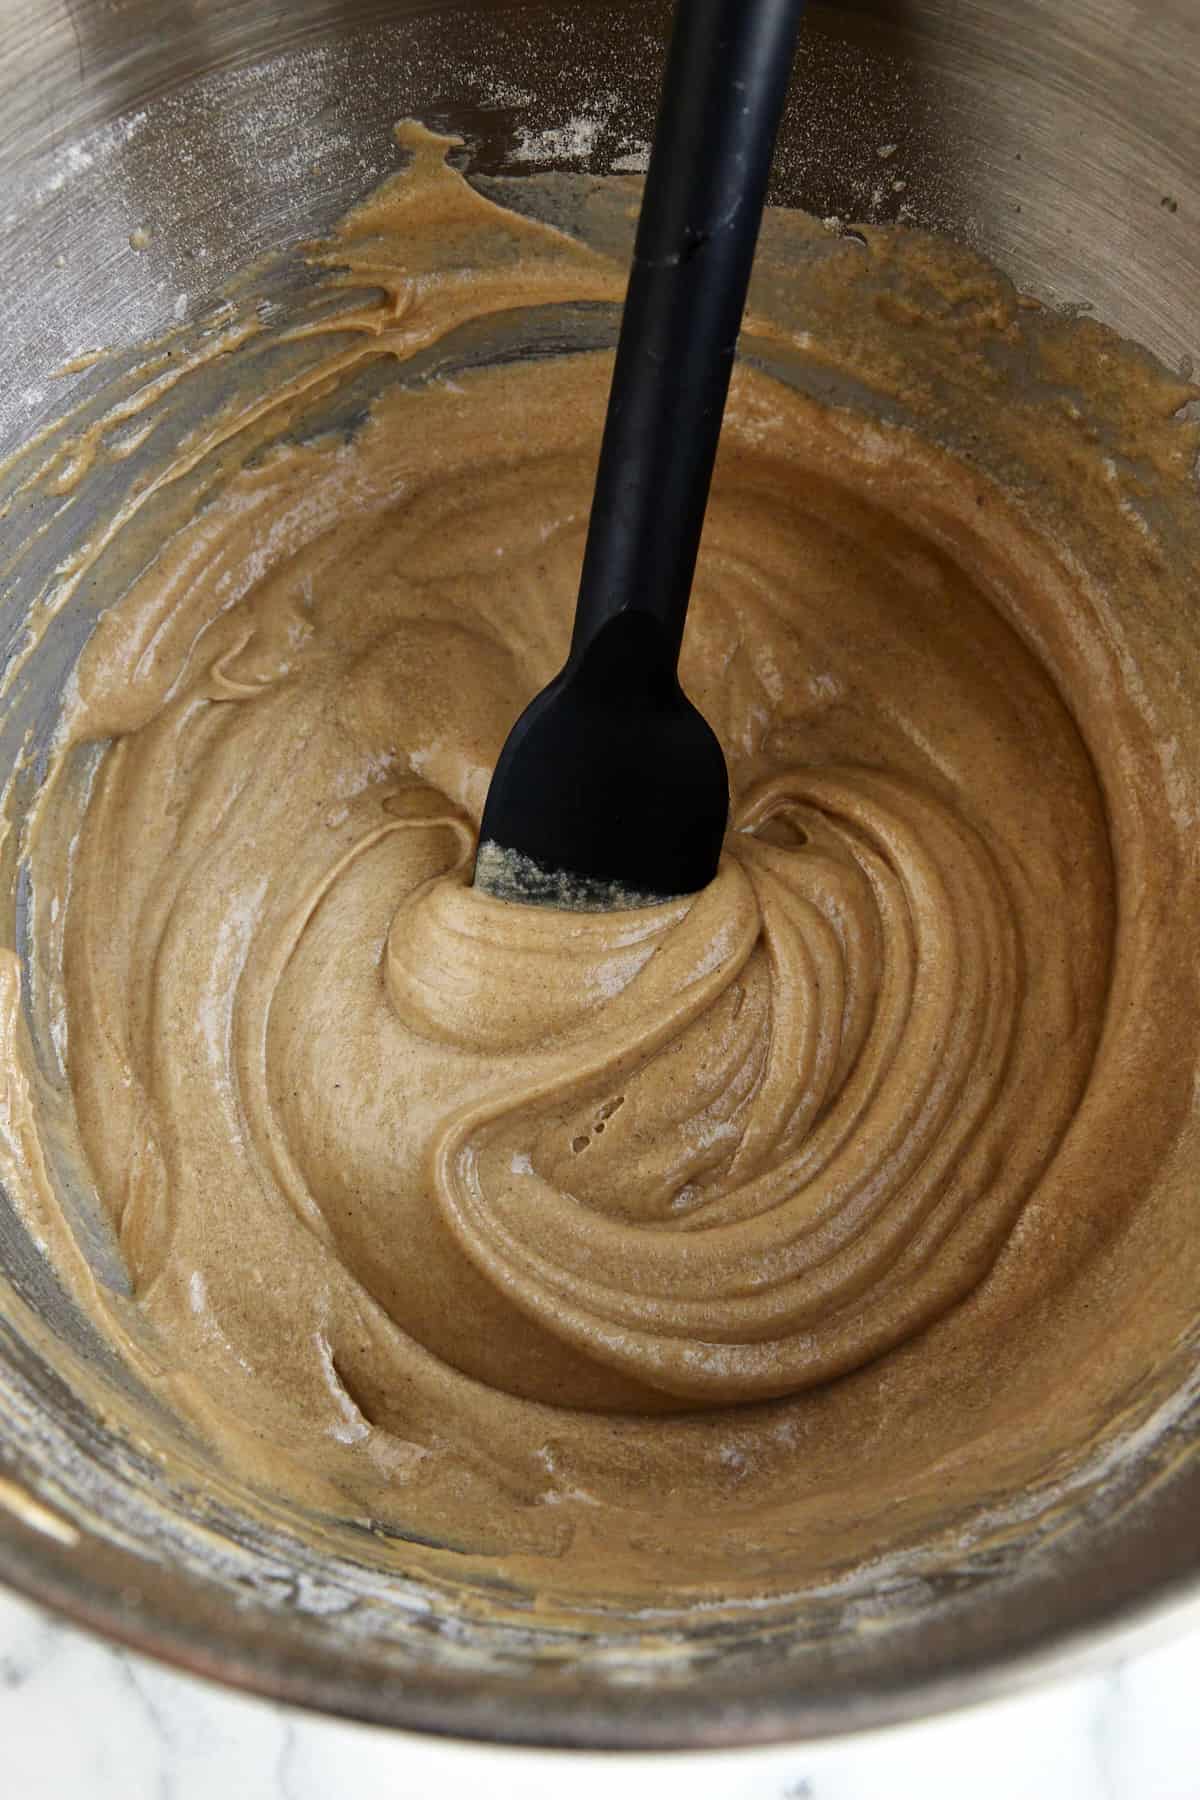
544, 1237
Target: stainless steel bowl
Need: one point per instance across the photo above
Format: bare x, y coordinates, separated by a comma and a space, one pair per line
151, 148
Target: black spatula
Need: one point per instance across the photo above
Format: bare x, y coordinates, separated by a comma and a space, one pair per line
612, 789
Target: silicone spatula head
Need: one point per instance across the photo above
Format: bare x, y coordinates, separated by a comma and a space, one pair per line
612, 789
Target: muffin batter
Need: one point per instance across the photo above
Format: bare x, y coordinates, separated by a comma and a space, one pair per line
680, 1244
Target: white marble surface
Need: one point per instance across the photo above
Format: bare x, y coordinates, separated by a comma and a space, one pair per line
82, 1721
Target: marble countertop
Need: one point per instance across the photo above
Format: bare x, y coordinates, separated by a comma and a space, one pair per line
82, 1721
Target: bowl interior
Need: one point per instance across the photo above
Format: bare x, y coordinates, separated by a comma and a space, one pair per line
152, 153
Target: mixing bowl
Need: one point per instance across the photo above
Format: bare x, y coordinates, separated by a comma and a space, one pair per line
149, 149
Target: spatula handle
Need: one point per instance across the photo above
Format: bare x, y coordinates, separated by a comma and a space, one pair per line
727, 77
